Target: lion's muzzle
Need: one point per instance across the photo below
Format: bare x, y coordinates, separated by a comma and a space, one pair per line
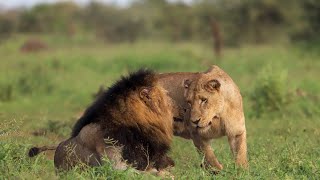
195, 121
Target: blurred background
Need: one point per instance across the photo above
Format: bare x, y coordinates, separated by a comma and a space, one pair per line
55, 56
230, 22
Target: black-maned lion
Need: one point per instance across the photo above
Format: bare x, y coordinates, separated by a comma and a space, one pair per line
135, 114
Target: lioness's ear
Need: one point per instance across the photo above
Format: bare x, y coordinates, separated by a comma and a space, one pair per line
145, 93
186, 83
211, 69
212, 85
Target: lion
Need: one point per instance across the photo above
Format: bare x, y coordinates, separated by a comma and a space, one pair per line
206, 106
136, 114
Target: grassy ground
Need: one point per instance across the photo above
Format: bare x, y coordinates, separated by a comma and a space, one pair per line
42, 94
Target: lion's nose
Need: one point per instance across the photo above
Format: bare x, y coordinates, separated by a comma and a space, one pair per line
197, 121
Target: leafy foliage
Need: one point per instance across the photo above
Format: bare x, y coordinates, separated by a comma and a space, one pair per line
270, 93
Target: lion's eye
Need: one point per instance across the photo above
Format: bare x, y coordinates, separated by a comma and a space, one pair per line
204, 100
189, 103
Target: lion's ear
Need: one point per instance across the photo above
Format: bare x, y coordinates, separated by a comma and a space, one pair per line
145, 94
187, 83
212, 85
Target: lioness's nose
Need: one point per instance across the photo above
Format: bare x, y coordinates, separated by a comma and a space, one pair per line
197, 121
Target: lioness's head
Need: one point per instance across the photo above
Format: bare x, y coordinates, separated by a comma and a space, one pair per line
205, 100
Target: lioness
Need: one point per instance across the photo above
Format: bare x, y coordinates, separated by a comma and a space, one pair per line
208, 105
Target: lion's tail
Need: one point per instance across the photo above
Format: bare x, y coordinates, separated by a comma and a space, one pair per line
37, 150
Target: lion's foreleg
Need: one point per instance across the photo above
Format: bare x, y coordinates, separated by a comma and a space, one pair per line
210, 157
238, 145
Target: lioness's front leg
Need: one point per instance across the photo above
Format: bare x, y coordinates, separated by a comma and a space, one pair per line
238, 145
205, 148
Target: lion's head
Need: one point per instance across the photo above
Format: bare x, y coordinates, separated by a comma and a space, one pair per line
149, 107
205, 100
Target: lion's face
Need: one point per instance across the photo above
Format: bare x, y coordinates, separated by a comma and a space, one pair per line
205, 102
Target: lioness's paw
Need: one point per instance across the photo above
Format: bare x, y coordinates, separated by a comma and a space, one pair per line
212, 170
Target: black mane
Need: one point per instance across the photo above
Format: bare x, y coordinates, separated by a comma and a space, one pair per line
136, 80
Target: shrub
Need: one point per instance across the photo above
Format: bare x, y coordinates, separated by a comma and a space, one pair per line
34, 81
6, 91
28, 82
58, 127
270, 92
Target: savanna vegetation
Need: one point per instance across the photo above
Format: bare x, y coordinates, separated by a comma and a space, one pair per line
272, 53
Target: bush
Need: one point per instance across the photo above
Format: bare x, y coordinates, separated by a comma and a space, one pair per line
6, 91
270, 92
58, 127
30, 81
34, 81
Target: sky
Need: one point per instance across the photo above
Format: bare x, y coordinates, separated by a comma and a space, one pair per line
7, 4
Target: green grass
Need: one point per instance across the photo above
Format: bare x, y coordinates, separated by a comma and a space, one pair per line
45, 92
